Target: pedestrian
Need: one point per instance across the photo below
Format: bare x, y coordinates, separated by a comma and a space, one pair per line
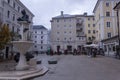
94, 51
74, 52
16, 57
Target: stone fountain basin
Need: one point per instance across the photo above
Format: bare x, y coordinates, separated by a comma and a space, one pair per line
22, 45
20, 75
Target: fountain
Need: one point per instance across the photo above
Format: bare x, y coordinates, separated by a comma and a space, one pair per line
23, 70
22, 46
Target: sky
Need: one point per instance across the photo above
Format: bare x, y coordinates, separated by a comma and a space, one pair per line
44, 10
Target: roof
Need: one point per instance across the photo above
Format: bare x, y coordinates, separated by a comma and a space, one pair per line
71, 16
64, 16
96, 6
39, 27
117, 6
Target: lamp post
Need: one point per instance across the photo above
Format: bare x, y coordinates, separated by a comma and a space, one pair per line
118, 26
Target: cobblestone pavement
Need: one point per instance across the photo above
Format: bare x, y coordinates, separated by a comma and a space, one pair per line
82, 67
8, 65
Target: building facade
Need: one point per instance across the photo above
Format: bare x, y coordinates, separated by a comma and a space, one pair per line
106, 24
10, 11
90, 29
68, 32
40, 38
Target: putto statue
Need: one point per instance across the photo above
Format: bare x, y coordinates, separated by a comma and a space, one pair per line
24, 17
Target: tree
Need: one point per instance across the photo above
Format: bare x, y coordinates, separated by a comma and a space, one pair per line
5, 36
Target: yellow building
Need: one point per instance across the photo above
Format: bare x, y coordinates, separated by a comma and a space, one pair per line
106, 25
117, 9
90, 29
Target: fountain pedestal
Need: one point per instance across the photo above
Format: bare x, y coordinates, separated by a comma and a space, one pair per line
22, 46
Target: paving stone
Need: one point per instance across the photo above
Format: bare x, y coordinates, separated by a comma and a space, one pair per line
71, 67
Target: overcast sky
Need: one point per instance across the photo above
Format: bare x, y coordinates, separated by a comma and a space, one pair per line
44, 10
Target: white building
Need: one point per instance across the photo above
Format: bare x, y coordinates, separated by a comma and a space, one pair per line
40, 38
67, 32
10, 11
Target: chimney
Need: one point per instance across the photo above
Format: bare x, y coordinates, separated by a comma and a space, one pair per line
61, 13
85, 14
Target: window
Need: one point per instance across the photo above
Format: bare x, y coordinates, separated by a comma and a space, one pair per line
58, 32
89, 38
41, 32
65, 32
13, 17
88, 19
18, 30
88, 25
70, 38
93, 19
41, 37
82, 38
13, 28
64, 38
57, 20
93, 31
18, 9
41, 47
8, 1
35, 31
14, 4
41, 42
108, 24
8, 14
58, 39
107, 14
107, 4
35, 36
109, 35
35, 41
8, 25
89, 31
93, 25
35, 46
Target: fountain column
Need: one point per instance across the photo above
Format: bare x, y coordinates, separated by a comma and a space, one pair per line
23, 45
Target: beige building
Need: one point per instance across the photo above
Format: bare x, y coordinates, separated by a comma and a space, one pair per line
90, 29
106, 25
69, 31
117, 10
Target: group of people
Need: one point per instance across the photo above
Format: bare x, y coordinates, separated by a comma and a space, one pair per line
92, 51
66, 51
